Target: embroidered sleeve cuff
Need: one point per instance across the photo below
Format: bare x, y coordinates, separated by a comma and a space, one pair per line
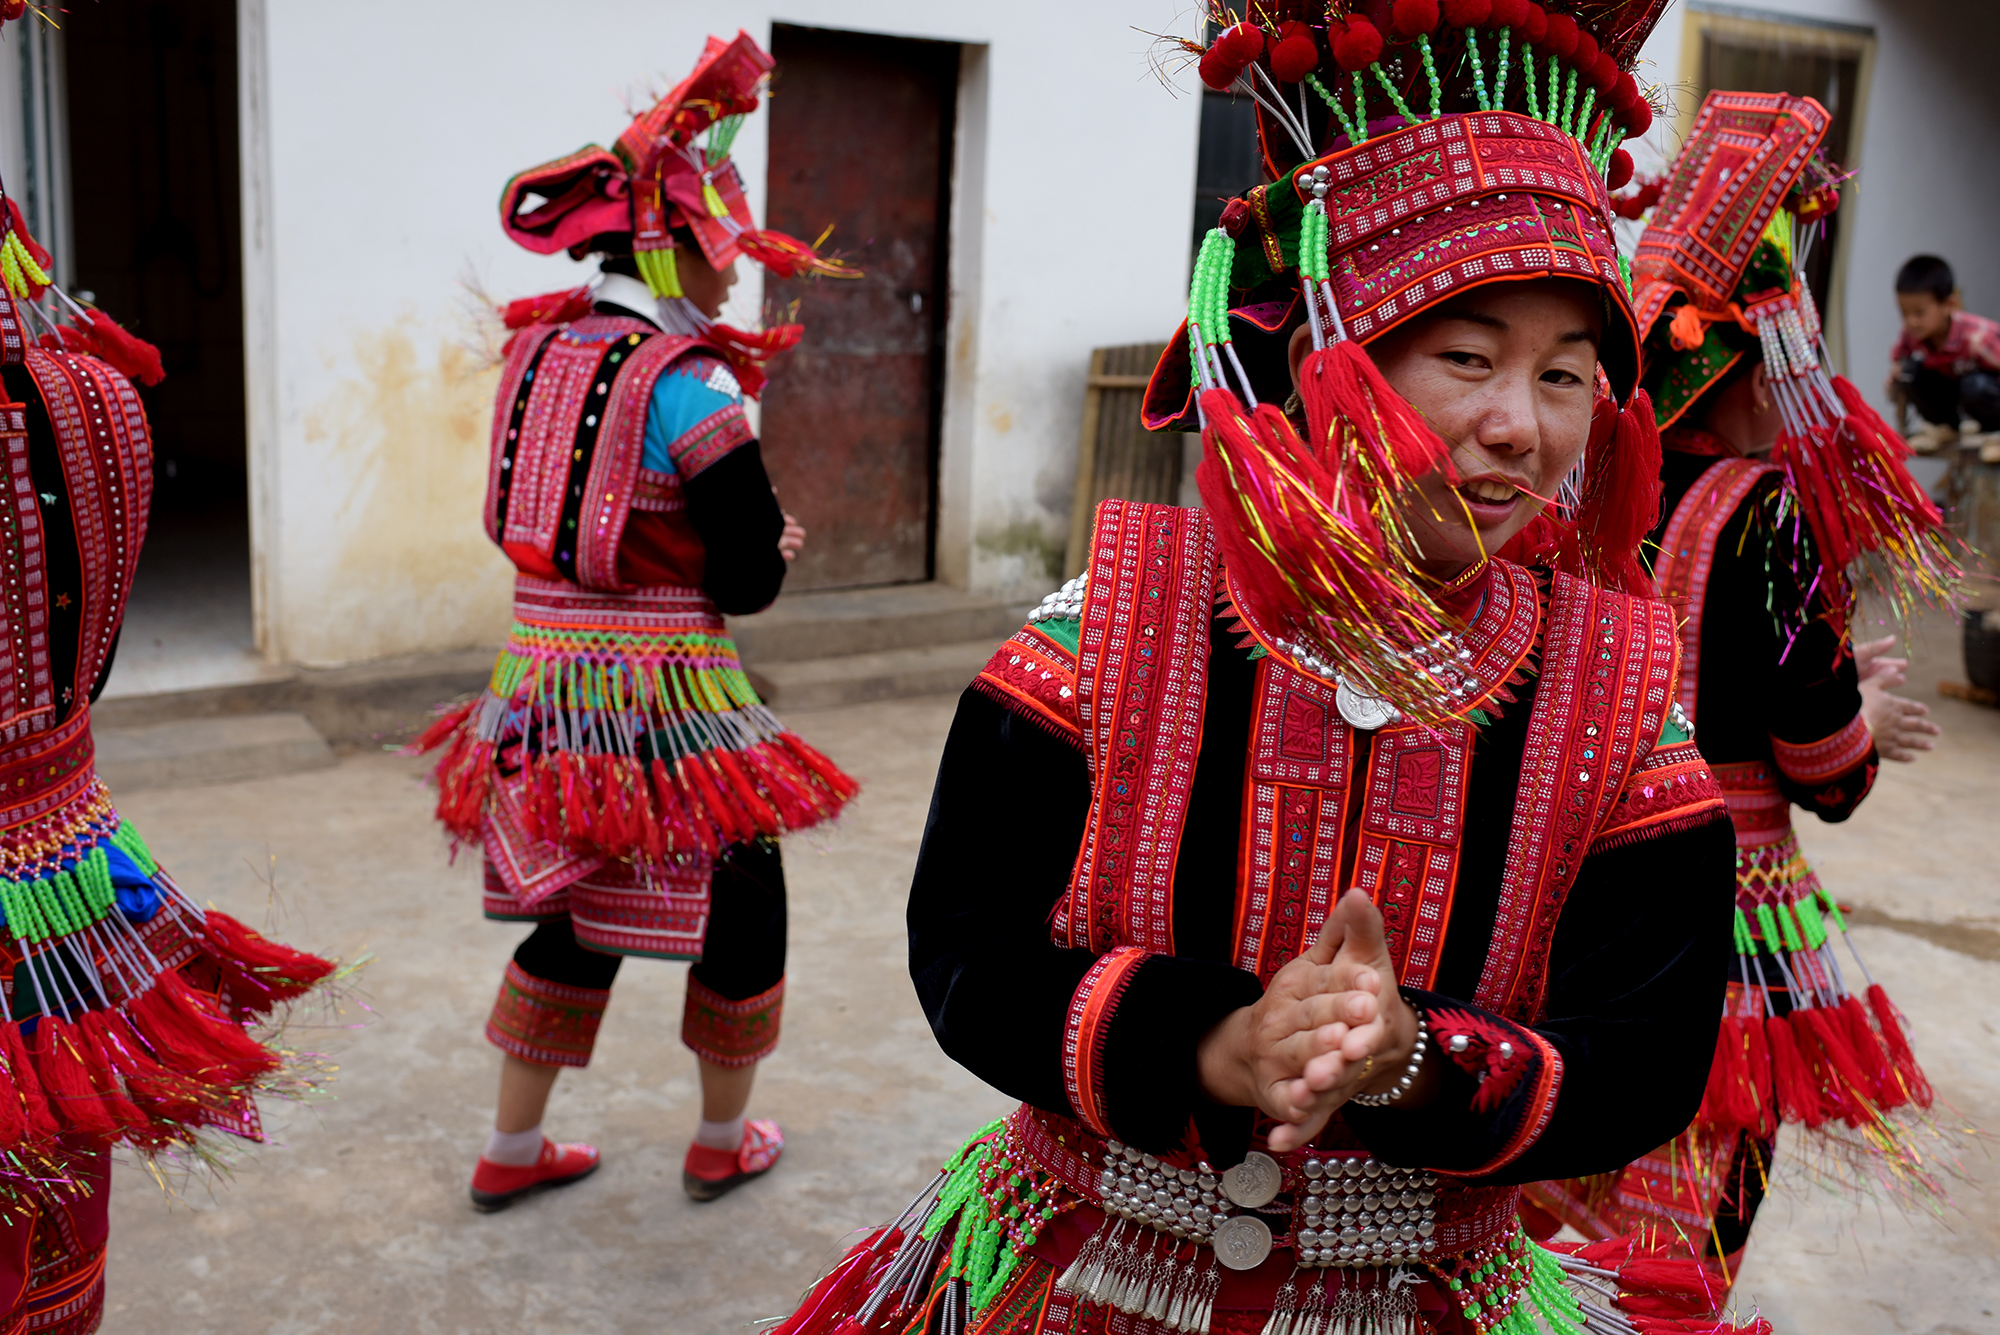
1091, 1007
1033, 674
1500, 1085
1130, 1037
1815, 764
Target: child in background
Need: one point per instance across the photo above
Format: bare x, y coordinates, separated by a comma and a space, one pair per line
1947, 362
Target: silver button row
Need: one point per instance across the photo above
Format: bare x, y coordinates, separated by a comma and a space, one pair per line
1184, 1202
1361, 1212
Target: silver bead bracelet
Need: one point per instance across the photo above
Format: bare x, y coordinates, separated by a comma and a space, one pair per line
1407, 1078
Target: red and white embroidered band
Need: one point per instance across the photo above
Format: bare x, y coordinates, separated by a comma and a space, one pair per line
1091, 1007
1815, 763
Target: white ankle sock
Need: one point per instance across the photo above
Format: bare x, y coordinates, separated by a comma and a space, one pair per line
720, 1135
517, 1149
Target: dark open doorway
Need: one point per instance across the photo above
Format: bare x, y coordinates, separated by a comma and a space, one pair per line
861, 139
153, 173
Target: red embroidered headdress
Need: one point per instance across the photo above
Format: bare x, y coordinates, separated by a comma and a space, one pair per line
1720, 276
669, 170
1418, 150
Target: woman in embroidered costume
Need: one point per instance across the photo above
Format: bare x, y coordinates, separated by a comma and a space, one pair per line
1783, 492
126, 1011
624, 781
1313, 877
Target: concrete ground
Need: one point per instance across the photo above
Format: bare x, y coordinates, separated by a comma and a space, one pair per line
355, 1219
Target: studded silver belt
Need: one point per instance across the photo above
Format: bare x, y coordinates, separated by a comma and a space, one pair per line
1354, 1210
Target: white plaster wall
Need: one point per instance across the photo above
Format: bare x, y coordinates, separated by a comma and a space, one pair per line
1929, 170
377, 137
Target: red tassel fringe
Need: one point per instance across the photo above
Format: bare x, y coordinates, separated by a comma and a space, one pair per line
257, 971
547, 308
1815, 1065
826, 1309
1662, 1294
622, 807
1620, 504
1907, 1072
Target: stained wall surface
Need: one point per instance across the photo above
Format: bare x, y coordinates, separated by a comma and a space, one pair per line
377, 137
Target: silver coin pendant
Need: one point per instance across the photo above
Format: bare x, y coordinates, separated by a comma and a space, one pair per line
1242, 1242
1362, 709
1253, 1182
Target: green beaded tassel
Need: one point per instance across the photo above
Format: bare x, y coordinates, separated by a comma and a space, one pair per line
981, 1253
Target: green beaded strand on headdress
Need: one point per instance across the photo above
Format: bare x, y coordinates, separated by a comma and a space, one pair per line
1478, 73
1395, 98
1334, 103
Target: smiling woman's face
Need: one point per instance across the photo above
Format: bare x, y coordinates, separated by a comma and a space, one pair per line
1506, 375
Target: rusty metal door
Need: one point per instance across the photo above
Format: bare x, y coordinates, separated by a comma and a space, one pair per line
861, 134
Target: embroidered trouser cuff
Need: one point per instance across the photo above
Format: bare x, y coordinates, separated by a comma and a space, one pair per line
550, 1024
731, 1033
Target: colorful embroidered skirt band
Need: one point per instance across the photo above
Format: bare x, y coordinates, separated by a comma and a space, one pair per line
620, 726
1038, 1227
122, 1003
547, 1023
732, 1033
620, 908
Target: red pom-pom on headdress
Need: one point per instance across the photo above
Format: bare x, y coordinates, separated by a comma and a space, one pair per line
1230, 54
1509, 13
1356, 44
1410, 19
1535, 27
1562, 36
1295, 54
1604, 74
1620, 172
1623, 94
1639, 119
1585, 54
1467, 13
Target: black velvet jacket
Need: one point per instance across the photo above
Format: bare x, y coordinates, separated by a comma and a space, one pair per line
733, 508
1633, 1005
1758, 682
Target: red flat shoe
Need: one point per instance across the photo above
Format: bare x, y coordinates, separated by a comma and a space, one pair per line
495, 1186
709, 1173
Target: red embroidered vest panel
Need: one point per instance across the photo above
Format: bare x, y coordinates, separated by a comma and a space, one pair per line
1759, 811
569, 436
1608, 665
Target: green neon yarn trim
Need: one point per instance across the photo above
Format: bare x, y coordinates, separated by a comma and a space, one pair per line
662, 276
980, 1254
1313, 261
721, 136
128, 842
65, 903
1208, 299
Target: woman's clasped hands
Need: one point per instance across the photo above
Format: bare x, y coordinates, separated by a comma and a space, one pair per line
1330, 1025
